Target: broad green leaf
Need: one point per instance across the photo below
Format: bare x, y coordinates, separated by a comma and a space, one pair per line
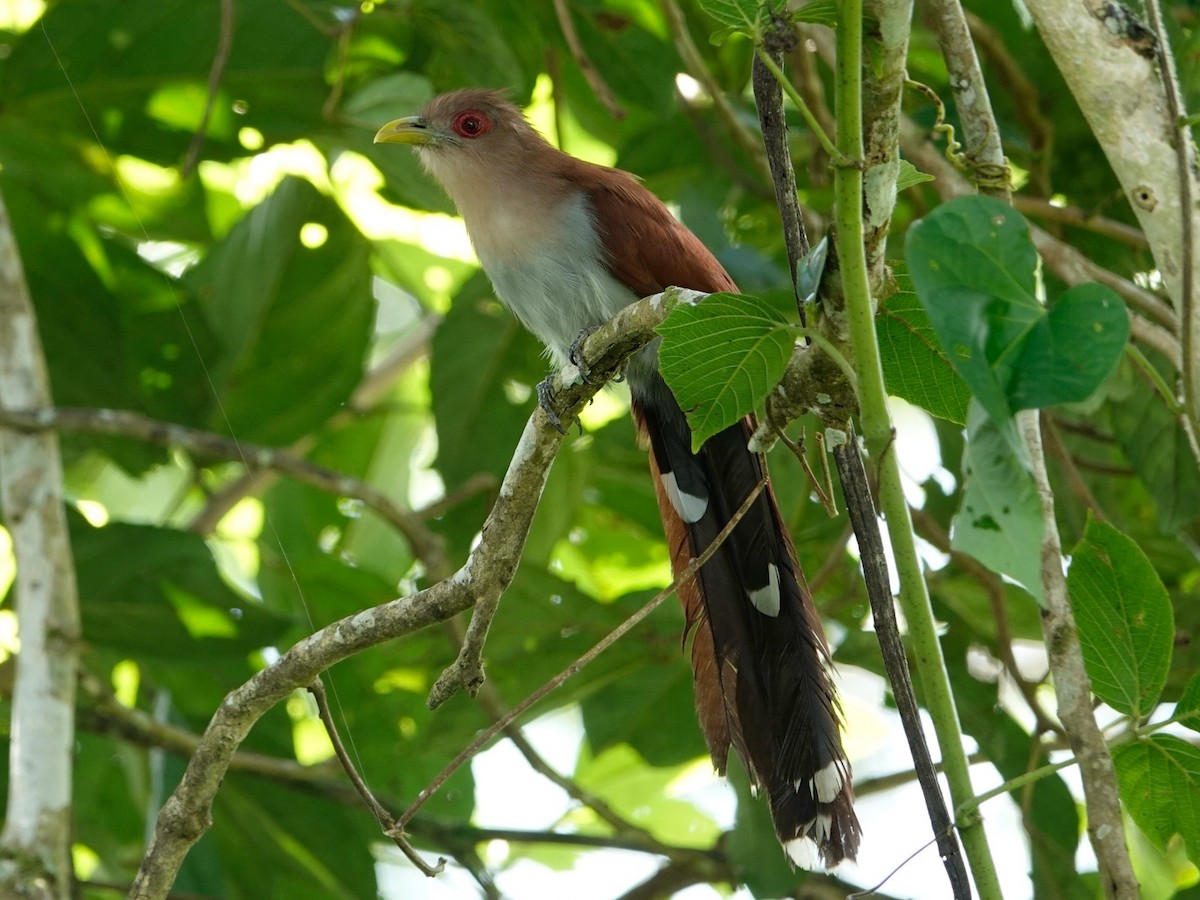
1000, 520
1070, 350
732, 13
1156, 446
910, 176
390, 97
915, 366
651, 708
480, 352
642, 794
293, 319
463, 44
817, 12
1160, 787
280, 843
1124, 619
721, 357
973, 265
74, 68
1187, 710
156, 592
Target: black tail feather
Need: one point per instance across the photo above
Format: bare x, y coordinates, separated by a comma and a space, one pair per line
759, 656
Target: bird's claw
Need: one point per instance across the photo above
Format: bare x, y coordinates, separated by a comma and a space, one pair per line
546, 399
575, 355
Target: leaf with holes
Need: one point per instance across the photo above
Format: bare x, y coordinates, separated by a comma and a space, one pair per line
1000, 520
973, 266
721, 357
1124, 618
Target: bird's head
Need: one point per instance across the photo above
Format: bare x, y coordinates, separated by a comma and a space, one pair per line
465, 131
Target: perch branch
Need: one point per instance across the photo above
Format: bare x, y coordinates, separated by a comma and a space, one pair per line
488, 571
607, 641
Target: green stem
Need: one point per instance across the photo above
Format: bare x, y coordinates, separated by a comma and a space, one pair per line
877, 429
965, 810
1155, 377
836, 155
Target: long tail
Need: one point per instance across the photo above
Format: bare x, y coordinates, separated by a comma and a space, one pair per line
759, 657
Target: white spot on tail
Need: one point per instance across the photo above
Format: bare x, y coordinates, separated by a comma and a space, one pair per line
822, 828
802, 851
766, 599
690, 508
827, 783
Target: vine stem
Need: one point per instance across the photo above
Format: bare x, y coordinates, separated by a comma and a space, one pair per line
877, 429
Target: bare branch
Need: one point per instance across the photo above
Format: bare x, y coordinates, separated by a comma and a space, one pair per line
427, 546
1122, 77
594, 79
382, 816
488, 571
373, 387
1105, 826
603, 644
220, 58
35, 846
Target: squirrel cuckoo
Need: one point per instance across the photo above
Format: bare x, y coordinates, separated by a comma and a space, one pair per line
566, 245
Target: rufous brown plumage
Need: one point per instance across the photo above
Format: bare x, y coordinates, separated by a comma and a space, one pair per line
567, 244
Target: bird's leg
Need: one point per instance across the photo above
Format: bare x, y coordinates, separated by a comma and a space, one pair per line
545, 392
575, 355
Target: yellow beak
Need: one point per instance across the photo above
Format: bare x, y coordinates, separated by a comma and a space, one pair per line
409, 130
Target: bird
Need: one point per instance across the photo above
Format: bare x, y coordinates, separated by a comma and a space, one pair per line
567, 244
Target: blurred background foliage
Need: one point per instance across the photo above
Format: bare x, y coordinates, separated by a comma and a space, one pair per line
211, 239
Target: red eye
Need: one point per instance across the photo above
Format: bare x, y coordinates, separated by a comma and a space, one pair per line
471, 123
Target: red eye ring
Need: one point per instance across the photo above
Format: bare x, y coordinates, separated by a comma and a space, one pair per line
471, 123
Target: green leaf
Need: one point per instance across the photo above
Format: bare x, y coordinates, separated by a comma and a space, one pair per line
817, 12
973, 265
732, 13
1160, 786
480, 352
721, 357
276, 842
1000, 520
390, 97
1157, 447
1124, 619
294, 321
1187, 710
641, 793
114, 67
156, 593
1071, 349
915, 366
910, 176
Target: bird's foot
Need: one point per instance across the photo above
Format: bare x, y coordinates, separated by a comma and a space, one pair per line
545, 393
575, 355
